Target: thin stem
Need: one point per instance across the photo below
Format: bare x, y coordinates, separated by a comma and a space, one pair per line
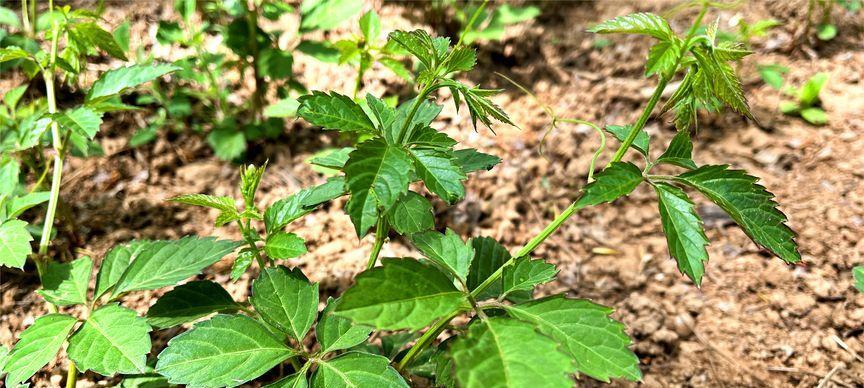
57, 176
417, 101
245, 230
25, 17
599, 150
471, 22
72, 375
381, 230
426, 339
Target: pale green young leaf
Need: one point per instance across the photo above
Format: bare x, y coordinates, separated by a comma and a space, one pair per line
297, 380
286, 107
241, 264
661, 58
37, 345
334, 332
283, 245
685, 235
96, 36
164, 263
223, 203
730, 51
14, 243
224, 351
809, 93
332, 158
380, 297
617, 180
597, 343
501, 352
114, 265
640, 143
188, 303
751, 206
370, 26
376, 174
470, 160
772, 75
10, 172
65, 284
636, 23
815, 116
327, 14
826, 31
81, 120
447, 250
112, 340
12, 53
489, 255
117, 80
440, 173
250, 178
858, 275
356, 369
724, 82
524, 274
20, 204
412, 213
14, 95
397, 67
679, 152
334, 111
286, 300
227, 143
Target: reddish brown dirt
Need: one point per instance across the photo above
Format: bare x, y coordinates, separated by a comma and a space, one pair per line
755, 322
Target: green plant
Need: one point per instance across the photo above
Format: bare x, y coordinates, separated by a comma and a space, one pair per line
475, 23
826, 29
807, 103
772, 75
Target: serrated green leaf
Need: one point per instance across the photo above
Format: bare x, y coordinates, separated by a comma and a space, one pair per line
82, 120
380, 298
751, 206
227, 143
636, 23
334, 332
661, 58
397, 67
37, 345
332, 158
12, 53
98, 37
617, 180
221, 202
65, 284
190, 302
114, 265
412, 213
112, 340
470, 160
501, 352
224, 351
679, 152
117, 80
10, 173
685, 236
370, 26
489, 255
480, 107
164, 263
428, 137
14, 243
241, 264
334, 111
524, 274
376, 175
440, 173
420, 44
730, 51
327, 14
286, 299
447, 250
461, 59
355, 369
723, 81
596, 342
640, 143
287, 210
283, 245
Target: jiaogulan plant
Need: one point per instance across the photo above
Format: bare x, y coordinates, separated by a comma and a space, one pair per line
384, 330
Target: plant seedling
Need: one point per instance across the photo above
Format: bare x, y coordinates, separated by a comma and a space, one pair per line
807, 103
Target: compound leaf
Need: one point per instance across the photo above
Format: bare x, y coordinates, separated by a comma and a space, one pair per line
501, 352
380, 297
112, 340
65, 284
334, 111
224, 351
356, 369
37, 346
596, 342
286, 300
447, 250
190, 302
685, 236
617, 180
751, 206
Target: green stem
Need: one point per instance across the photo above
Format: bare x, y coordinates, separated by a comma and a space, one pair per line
426, 339
258, 93
25, 17
382, 229
599, 150
71, 375
471, 22
245, 230
417, 101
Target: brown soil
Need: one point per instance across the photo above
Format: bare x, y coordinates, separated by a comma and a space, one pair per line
755, 322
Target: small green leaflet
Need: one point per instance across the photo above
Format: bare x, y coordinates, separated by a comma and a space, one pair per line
190, 302
14, 243
336, 333
501, 352
380, 298
114, 265
286, 300
66, 284
376, 175
334, 111
489, 255
685, 236
447, 250
98, 37
809, 93
662, 57
617, 180
679, 152
525, 274
283, 245
225, 351
117, 80
286, 107
636, 23
250, 178
724, 81
18, 205
470, 160
640, 143
597, 343
355, 369
164, 263
422, 46
325, 15
332, 158
112, 340
222, 203
440, 173
37, 346
82, 120
412, 213
858, 275
242, 263
751, 206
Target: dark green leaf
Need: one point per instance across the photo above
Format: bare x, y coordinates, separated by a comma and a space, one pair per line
334, 332
440, 173
355, 369
679, 152
334, 111
640, 143
190, 302
286, 300
296, 380
683, 228
524, 274
18, 205
489, 255
65, 284
117, 80
447, 250
376, 175
114, 265
98, 37
412, 213
617, 180
82, 120
112, 340
37, 345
